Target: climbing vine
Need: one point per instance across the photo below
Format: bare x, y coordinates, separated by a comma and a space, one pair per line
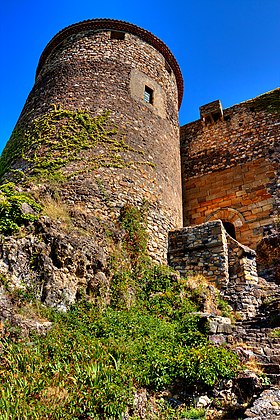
57, 138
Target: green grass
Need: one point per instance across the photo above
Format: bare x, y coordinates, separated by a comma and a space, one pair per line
275, 333
90, 364
95, 357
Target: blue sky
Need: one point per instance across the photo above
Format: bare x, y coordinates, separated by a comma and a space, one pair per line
227, 49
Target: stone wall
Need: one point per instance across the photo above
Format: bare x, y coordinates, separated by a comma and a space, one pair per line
84, 67
242, 291
230, 166
200, 250
208, 250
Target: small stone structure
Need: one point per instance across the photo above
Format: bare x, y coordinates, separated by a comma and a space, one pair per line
207, 249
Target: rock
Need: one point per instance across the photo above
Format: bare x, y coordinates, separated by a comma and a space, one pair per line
217, 339
267, 406
203, 401
219, 324
99, 286
246, 385
58, 265
27, 209
174, 402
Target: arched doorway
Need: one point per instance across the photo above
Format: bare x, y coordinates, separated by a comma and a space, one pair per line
232, 220
230, 229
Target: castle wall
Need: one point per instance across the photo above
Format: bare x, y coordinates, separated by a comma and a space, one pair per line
230, 166
89, 70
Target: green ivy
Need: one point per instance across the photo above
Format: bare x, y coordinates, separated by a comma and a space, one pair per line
57, 138
12, 215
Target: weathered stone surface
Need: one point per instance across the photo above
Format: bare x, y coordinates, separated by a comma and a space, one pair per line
220, 325
208, 250
89, 70
268, 256
26, 322
267, 406
56, 264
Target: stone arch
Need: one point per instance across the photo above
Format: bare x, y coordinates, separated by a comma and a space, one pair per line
230, 216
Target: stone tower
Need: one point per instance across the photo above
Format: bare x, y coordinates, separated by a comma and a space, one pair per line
90, 69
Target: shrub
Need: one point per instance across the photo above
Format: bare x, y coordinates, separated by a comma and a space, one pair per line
12, 215
93, 362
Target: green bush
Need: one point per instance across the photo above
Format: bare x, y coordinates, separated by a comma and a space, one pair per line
12, 215
90, 363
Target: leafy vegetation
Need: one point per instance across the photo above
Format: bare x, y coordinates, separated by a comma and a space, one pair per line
269, 102
53, 140
90, 364
94, 360
275, 333
12, 214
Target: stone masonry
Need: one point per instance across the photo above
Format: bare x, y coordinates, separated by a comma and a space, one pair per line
208, 250
230, 166
107, 65
229, 158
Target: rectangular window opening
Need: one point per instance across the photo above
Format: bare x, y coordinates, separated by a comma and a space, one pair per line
148, 95
117, 35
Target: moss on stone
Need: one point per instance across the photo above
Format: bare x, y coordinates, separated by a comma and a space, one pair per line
269, 102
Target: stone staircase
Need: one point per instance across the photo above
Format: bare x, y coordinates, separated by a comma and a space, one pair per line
258, 334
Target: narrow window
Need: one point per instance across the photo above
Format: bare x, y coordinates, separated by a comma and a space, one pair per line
216, 116
148, 95
117, 35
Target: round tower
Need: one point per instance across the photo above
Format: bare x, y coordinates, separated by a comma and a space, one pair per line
115, 90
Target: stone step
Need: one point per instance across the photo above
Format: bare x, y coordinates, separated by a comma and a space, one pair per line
275, 358
274, 378
275, 343
257, 331
271, 368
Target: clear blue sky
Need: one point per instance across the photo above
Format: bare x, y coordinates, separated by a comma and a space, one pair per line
227, 49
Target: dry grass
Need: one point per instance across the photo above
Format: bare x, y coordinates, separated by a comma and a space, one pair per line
254, 366
194, 282
55, 209
54, 396
31, 311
